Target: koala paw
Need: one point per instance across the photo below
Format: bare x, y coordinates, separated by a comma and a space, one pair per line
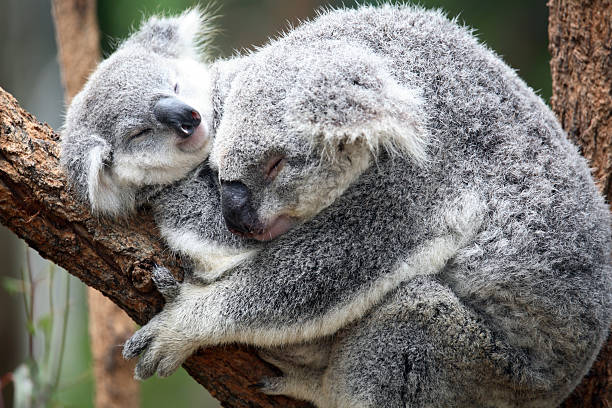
161, 349
165, 283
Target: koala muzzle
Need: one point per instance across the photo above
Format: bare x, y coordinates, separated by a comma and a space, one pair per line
238, 213
177, 115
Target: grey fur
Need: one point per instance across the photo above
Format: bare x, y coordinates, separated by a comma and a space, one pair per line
460, 258
165, 283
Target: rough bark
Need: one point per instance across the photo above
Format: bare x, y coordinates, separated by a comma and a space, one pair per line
78, 42
114, 257
580, 35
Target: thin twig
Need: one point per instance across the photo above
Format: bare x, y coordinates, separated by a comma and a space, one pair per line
24, 292
63, 338
30, 317
48, 361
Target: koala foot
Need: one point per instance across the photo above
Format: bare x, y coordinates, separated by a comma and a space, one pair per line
304, 387
162, 345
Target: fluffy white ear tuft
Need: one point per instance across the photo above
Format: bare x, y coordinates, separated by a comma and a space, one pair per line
349, 96
105, 196
186, 35
192, 29
194, 33
399, 126
402, 126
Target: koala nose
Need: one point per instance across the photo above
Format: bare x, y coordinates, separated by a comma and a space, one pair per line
177, 115
236, 207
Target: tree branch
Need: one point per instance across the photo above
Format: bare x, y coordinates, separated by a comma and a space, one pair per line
113, 257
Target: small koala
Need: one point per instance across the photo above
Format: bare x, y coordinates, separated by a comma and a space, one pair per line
411, 227
144, 116
434, 238
145, 119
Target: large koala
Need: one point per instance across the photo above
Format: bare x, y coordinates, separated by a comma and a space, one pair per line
437, 240
430, 238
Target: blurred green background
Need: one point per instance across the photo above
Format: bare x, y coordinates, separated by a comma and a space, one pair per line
516, 30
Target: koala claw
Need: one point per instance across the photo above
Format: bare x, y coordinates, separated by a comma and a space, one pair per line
161, 359
145, 343
165, 283
159, 349
169, 364
272, 385
146, 367
137, 343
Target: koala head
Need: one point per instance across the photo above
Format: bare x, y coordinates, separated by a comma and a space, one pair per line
300, 124
143, 118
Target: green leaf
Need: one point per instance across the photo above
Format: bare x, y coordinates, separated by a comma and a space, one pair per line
45, 323
12, 285
31, 328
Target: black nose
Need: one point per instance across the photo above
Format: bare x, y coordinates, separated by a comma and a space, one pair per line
177, 115
236, 207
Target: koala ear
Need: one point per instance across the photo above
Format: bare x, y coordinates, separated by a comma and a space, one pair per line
401, 127
87, 163
354, 99
185, 35
104, 195
223, 73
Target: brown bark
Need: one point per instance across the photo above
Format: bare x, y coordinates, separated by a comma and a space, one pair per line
580, 34
78, 43
114, 257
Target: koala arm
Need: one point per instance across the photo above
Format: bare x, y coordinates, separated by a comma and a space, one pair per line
187, 322
420, 347
231, 309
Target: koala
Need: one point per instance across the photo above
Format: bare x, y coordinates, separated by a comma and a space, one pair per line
408, 224
429, 237
474, 225
144, 117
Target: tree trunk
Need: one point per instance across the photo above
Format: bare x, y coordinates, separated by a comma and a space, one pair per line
580, 35
78, 42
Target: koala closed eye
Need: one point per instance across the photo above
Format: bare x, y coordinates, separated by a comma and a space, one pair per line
139, 133
274, 166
